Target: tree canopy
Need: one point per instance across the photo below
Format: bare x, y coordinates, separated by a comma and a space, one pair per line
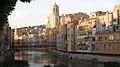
6, 7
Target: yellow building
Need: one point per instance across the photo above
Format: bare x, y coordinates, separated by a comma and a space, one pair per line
103, 20
116, 15
107, 40
107, 43
17, 34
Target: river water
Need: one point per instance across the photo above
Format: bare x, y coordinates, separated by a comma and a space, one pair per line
37, 58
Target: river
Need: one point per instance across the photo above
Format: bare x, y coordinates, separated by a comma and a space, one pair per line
38, 58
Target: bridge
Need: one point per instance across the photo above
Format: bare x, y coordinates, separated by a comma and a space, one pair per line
33, 46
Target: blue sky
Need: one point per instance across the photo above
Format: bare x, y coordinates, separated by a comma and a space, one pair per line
35, 13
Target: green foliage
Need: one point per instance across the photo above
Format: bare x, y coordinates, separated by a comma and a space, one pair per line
6, 7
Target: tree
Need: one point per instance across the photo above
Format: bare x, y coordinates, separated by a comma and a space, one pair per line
6, 7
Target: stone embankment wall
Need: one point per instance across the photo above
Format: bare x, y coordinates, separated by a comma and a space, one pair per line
88, 57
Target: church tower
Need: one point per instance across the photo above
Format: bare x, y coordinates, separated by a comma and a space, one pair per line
55, 15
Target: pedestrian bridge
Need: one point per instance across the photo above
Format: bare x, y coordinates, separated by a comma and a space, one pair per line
33, 46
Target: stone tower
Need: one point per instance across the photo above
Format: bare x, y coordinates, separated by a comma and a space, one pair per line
55, 15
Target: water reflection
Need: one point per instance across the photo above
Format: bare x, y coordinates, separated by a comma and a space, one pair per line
78, 63
36, 58
39, 59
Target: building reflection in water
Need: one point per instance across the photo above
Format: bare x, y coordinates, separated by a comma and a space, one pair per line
78, 63
36, 57
39, 59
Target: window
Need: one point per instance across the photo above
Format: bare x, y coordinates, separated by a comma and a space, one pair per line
105, 38
93, 39
117, 27
104, 47
111, 37
100, 37
96, 38
114, 20
109, 45
54, 9
117, 37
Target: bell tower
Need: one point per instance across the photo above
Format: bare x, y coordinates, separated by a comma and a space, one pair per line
55, 15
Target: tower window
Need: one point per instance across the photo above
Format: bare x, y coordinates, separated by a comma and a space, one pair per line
54, 9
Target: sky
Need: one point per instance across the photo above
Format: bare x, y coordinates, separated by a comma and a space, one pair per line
36, 12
